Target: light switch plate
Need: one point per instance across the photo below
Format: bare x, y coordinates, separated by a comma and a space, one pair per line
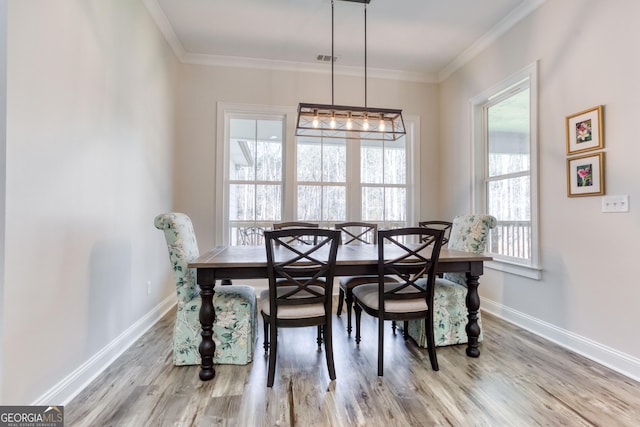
615, 203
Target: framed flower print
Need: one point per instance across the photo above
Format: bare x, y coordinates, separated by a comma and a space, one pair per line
585, 131
585, 175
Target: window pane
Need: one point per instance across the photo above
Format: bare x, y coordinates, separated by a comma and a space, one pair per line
395, 162
334, 203
395, 204
269, 161
268, 203
334, 161
309, 202
242, 155
509, 201
309, 166
371, 165
242, 202
508, 135
372, 204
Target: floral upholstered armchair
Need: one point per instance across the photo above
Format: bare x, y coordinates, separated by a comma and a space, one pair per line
234, 329
469, 233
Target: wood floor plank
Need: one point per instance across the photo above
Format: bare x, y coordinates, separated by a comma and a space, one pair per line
520, 379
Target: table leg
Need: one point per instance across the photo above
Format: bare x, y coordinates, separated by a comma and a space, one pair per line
473, 305
207, 315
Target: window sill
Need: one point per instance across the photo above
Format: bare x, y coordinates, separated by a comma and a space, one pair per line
517, 269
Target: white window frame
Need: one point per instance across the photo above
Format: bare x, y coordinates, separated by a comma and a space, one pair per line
527, 268
225, 111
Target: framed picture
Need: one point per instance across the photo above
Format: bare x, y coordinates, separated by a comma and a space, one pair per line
585, 175
585, 131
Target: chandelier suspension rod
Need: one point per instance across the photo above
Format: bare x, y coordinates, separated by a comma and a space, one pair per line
332, 57
365, 55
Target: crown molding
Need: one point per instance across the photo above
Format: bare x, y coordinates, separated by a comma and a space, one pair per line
165, 27
490, 37
321, 68
242, 62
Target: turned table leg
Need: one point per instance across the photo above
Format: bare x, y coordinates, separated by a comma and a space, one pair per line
207, 315
473, 305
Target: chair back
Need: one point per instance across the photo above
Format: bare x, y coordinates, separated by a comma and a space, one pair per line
306, 270
296, 224
469, 233
251, 236
358, 233
183, 248
410, 254
440, 225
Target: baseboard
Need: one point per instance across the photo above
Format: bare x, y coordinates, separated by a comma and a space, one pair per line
620, 362
63, 392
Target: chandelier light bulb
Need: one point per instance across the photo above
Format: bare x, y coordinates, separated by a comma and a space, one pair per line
365, 124
332, 123
381, 126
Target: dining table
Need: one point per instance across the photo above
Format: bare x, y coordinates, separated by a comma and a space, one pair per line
228, 263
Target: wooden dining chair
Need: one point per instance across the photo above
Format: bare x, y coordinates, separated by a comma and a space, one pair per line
300, 289
440, 225
355, 233
296, 224
251, 236
403, 253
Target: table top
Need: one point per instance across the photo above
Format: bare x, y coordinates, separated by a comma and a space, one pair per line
255, 256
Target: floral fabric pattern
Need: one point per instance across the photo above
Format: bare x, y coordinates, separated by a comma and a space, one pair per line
234, 329
469, 233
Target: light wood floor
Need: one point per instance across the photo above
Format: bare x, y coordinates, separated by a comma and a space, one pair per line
518, 380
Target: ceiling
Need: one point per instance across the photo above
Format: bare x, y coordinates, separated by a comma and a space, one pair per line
421, 40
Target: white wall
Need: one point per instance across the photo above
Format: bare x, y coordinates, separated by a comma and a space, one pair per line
90, 134
588, 297
3, 159
201, 87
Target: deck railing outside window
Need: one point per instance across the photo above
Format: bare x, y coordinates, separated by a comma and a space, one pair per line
512, 239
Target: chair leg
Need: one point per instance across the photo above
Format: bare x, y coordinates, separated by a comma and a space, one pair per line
340, 300
431, 342
393, 326
319, 338
349, 300
328, 349
358, 311
265, 323
380, 346
405, 330
272, 354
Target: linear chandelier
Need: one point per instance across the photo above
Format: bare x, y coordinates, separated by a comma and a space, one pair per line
339, 121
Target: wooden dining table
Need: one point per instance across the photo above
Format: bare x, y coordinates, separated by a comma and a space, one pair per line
226, 263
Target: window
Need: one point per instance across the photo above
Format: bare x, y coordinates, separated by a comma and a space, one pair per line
254, 176
375, 170
270, 176
384, 182
321, 180
506, 174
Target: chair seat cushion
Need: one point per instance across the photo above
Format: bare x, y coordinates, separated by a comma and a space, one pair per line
368, 295
296, 311
349, 282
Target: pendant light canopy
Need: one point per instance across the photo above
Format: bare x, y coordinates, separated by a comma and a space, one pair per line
339, 121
